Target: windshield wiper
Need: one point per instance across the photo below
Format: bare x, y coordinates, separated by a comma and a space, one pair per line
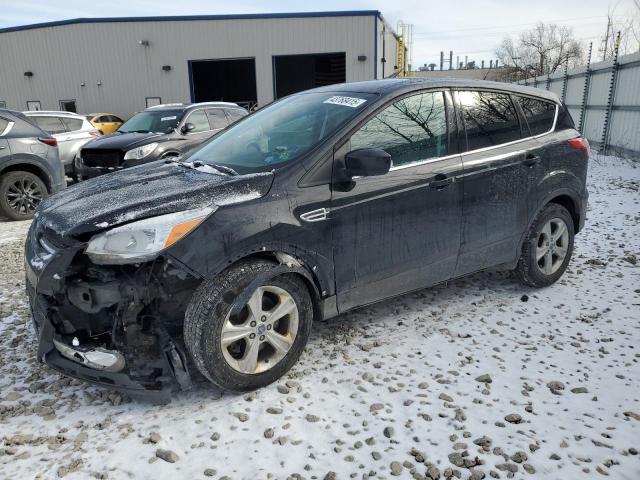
197, 164
222, 168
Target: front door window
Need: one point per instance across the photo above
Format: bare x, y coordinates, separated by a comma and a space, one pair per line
410, 130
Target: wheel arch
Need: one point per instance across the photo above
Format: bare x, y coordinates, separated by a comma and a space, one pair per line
28, 167
567, 198
298, 266
571, 204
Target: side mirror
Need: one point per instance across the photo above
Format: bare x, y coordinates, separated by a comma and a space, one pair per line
188, 127
367, 162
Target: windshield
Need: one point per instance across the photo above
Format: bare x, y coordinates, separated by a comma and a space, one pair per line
160, 121
281, 132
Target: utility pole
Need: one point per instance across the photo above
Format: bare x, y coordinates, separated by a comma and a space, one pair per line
606, 39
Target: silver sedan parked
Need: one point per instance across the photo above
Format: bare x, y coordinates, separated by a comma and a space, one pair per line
70, 129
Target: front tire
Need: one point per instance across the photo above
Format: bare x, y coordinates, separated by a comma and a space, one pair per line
20, 194
263, 342
547, 248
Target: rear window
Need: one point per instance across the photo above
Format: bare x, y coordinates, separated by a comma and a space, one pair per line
51, 125
538, 113
489, 118
72, 124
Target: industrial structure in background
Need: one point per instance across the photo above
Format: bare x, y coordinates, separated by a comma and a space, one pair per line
603, 99
247, 59
462, 68
404, 55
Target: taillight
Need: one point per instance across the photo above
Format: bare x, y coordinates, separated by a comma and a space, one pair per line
581, 144
52, 142
94, 133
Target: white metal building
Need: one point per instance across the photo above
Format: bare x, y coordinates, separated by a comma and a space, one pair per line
123, 65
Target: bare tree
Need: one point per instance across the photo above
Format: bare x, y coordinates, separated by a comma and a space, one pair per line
541, 50
627, 26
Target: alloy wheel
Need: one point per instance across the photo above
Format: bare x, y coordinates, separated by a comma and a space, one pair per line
263, 333
24, 195
552, 246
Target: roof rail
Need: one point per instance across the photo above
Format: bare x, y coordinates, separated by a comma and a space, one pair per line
56, 112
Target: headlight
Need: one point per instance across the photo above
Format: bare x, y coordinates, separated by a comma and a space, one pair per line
145, 239
140, 152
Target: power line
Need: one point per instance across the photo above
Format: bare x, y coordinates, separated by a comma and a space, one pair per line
510, 26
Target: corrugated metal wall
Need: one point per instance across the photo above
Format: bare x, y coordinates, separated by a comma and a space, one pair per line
63, 58
624, 128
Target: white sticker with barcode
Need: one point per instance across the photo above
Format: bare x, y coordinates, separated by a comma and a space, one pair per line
352, 102
166, 119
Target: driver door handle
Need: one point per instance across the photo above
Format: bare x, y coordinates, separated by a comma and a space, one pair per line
441, 182
531, 160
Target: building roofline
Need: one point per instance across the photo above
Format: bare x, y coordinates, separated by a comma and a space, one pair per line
177, 18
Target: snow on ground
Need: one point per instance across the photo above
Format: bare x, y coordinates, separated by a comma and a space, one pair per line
482, 377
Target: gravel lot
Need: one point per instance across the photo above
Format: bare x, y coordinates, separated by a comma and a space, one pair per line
481, 378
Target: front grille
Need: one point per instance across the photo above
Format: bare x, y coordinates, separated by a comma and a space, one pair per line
102, 158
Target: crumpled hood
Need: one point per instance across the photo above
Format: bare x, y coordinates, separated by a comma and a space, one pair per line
123, 141
146, 191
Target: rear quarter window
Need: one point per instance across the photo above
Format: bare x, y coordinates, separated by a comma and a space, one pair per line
235, 115
539, 114
3, 125
72, 124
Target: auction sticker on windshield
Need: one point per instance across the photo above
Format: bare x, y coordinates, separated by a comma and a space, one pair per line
352, 102
165, 119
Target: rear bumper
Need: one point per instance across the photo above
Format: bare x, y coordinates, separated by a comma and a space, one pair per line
584, 201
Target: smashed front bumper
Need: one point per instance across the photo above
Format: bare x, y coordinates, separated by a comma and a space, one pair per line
118, 327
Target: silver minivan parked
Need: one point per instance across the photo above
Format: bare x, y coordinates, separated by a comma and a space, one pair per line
70, 129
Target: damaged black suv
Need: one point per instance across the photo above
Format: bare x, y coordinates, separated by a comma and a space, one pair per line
314, 205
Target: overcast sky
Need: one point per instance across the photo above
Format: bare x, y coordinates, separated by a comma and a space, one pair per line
468, 27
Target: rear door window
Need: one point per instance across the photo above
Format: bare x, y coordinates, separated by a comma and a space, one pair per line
217, 118
114, 119
538, 113
489, 119
72, 124
51, 125
410, 130
199, 119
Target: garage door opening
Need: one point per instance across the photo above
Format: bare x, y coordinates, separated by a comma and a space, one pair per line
294, 73
232, 80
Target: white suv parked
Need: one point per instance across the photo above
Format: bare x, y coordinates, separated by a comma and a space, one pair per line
70, 129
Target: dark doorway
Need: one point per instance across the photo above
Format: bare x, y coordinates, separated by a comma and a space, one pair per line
68, 106
232, 80
294, 73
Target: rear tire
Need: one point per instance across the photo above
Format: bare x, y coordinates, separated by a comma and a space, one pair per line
208, 327
20, 194
547, 248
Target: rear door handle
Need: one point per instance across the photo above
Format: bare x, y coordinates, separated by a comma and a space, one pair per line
531, 160
441, 182
2, 147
